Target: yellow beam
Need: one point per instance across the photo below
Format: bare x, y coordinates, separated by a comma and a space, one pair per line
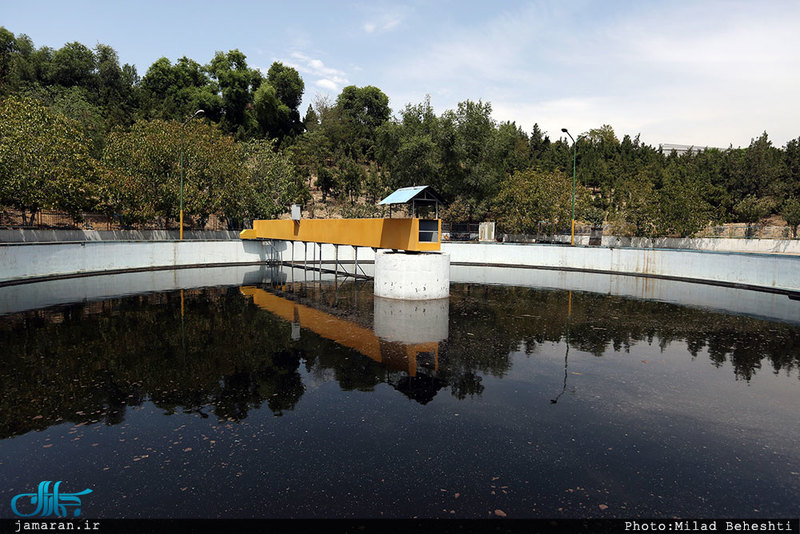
397, 234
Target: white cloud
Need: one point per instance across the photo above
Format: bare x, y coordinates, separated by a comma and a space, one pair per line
384, 19
326, 77
696, 73
325, 83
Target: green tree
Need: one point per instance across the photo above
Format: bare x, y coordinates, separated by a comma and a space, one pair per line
599, 157
173, 92
310, 151
238, 84
460, 210
791, 167
349, 177
532, 200
409, 150
73, 64
311, 120
540, 153
326, 182
273, 116
374, 186
287, 83
635, 206
268, 187
511, 148
752, 209
115, 87
8, 50
363, 110
145, 161
758, 170
472, 169
681, 209
74, 103
791, 214
289, 89
45, 160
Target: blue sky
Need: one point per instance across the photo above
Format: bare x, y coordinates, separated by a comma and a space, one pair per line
707, 73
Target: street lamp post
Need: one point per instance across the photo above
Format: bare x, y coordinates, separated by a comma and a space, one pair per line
574, 157
196, 113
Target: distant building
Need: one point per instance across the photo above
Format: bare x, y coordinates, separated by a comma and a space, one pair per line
682, 149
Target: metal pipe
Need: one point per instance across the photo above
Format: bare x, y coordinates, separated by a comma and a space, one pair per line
196, 113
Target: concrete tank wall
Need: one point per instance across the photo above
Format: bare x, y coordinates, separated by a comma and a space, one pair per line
719, 244
761, 270
19, 261
30, 235
780, 272
23, 261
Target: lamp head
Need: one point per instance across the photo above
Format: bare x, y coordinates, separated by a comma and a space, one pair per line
564, 130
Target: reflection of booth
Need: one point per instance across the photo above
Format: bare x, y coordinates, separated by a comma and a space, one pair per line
402, 355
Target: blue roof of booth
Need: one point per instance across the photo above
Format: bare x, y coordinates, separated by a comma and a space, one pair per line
407, 194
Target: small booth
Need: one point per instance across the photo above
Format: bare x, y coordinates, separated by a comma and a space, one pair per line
418, 194
409, 275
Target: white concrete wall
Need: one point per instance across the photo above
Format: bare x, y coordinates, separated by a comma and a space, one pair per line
21, 297
719, 244
19, 261
762, 270
769, 306
28, 235
760, 304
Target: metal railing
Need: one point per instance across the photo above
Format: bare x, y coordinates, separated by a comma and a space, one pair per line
469, 232
57, 220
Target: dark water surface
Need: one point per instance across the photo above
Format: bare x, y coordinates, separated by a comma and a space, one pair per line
323, 401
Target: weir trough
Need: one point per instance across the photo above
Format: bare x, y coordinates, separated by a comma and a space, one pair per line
409, 264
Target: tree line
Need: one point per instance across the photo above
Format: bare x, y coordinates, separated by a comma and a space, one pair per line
80, 132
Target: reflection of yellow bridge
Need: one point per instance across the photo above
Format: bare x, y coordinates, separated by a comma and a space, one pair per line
396, 355
398, 234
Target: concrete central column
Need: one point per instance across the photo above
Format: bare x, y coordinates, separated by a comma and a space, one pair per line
412, 275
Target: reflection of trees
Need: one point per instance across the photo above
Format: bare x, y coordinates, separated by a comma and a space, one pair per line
421, 388
524, 317
89, 361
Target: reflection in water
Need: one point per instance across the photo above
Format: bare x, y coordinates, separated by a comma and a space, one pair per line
566, 351
211, 348
396, 348
405, 336
643, 404
411, 321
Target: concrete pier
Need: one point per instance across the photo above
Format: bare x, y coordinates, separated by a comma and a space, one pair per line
408, 276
